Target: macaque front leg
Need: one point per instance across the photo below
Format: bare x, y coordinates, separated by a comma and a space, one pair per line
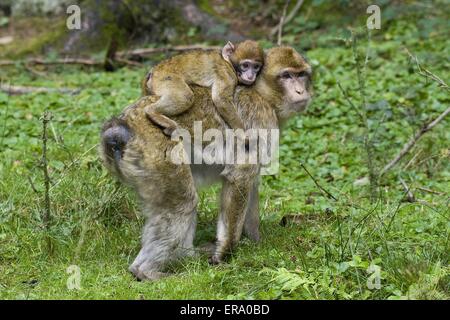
251, 224
234, 201
222, 96
231, 220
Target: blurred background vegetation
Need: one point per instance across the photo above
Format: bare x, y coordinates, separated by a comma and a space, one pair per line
36, 26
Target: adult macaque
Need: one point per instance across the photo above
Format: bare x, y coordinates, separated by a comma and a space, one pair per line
172, 78
139, 153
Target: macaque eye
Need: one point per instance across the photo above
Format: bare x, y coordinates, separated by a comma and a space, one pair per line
286, 75
303, 74
245, 65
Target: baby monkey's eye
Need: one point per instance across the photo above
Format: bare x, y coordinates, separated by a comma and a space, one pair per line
245, 65
257, 67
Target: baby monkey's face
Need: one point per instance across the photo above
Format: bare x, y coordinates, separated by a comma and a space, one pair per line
247, 59
248, 70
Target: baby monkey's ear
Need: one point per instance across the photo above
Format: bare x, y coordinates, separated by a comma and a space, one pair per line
146, 86
227, 51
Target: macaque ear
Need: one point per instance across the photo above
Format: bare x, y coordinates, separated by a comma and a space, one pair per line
227, 51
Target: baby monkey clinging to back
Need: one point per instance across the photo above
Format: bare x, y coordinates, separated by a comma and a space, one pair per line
222, 71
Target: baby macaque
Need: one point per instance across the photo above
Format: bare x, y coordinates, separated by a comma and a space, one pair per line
222, 71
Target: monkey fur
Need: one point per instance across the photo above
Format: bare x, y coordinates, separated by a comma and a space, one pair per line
221, 71
168, 191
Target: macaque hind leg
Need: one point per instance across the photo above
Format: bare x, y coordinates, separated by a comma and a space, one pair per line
175, 98
164, 239
169, 200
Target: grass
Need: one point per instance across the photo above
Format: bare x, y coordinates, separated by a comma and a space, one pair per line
324, 254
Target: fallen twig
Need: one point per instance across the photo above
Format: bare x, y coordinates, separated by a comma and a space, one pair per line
426, 73
329, 195
120, 56
148, 51
7, 62
24, 90
34, 71
409, 195
70, 61
410, 162
426, 127
129, 62
431, 191
350, 102
88, 62
32, 185
408, 146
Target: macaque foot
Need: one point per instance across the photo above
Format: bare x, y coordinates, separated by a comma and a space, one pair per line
146, 274
219, 254
167, 124
215, 260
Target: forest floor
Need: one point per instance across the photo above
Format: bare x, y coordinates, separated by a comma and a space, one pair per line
351, 248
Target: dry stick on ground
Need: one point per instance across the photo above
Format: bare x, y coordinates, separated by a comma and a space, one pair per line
431, 191
409, 195
410, 162
46, 118
289, 17
148, 51
408, 146
24, 90
34, 71
329, 195
350, 102
120, 56
426, 127
71, 61
426, 73
87, 62
32, 185
7, 63
129, 62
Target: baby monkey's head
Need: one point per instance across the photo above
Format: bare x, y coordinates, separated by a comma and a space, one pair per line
247, 59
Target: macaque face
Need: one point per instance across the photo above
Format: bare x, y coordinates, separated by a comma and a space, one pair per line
247, 71
296, 84
247, 59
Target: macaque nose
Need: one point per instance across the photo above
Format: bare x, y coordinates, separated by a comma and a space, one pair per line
300, 92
